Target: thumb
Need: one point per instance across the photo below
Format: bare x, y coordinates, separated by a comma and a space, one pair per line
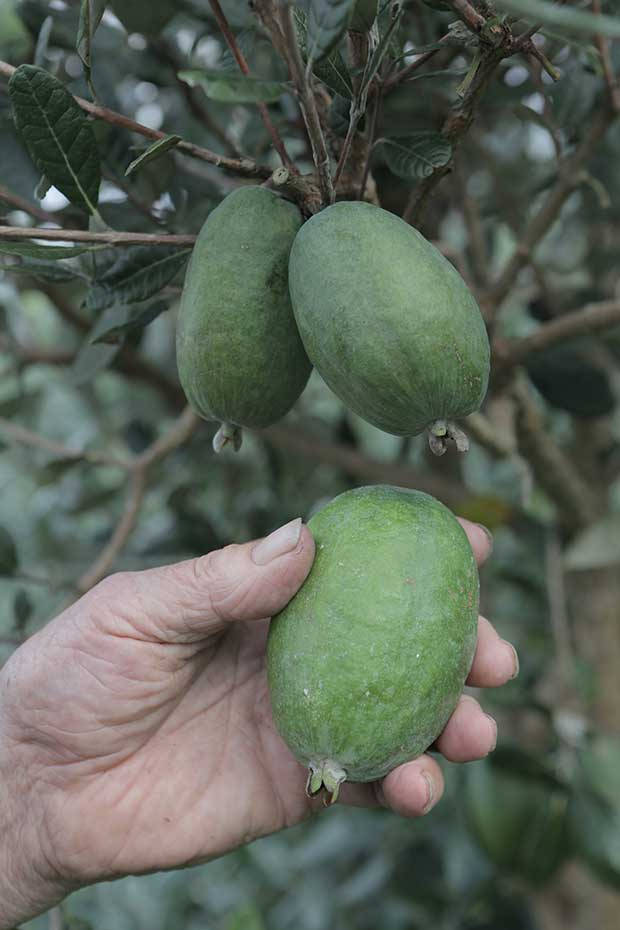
191, 600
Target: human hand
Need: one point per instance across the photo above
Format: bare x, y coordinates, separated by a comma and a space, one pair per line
136, 733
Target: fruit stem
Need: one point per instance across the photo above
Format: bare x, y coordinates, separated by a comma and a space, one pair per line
325, 776
227, 433
441, 431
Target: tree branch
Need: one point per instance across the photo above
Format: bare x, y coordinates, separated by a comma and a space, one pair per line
128, 361
106, 238
244, 166
555, 473
455, 128
589, 319
308, 105
125, 526
602, 44
165, 51
405, 73
239, 57
569, 178
19, 434
20, 203
310, 447
179, 433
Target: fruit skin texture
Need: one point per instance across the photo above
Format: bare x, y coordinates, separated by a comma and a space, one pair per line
387, 321
239, 354
367, 662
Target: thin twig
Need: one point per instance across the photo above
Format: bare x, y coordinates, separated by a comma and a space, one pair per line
128, 361
569, 178
589, 319
312, 448
167, 53
558, 612
308, 105
82, 235
611, 80
455, 128
179, 433
375, 105
19, 434
470, 16
239, 57
122, 532
405, 73
20, 203
244, 166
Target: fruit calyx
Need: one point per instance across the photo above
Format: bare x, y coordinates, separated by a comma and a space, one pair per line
440, 431
227, 433
326, 776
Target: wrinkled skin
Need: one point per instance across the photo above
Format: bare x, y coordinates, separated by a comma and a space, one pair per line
136, 734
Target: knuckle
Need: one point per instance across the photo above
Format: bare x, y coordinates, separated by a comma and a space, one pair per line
214, 578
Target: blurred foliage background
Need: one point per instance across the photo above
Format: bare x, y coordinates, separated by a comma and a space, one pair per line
529, 211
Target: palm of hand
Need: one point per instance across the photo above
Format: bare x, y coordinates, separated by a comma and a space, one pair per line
168, 758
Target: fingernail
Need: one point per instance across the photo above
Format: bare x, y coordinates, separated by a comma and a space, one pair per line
493, 723
515, 658
278, 543
430, 793
487, 533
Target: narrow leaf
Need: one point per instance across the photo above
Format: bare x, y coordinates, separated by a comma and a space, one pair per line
35, 250
91, 12
42, 188
56, 133
379, 53
548, 14
152, 152
137, 318
417, 155
136, 275
48, 271
331, 70
94, 357
233, 88
42, 41
327, 23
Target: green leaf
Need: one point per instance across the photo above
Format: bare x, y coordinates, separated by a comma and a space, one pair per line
338, 115
8, 554
91, 12
596, 547
136, 318
47, 252
152, 152
417, 155
331, 70
380, 52
327, 23
43, 41
136, 275
94, 356
548, 14
233, 88
57, 134
48, 271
